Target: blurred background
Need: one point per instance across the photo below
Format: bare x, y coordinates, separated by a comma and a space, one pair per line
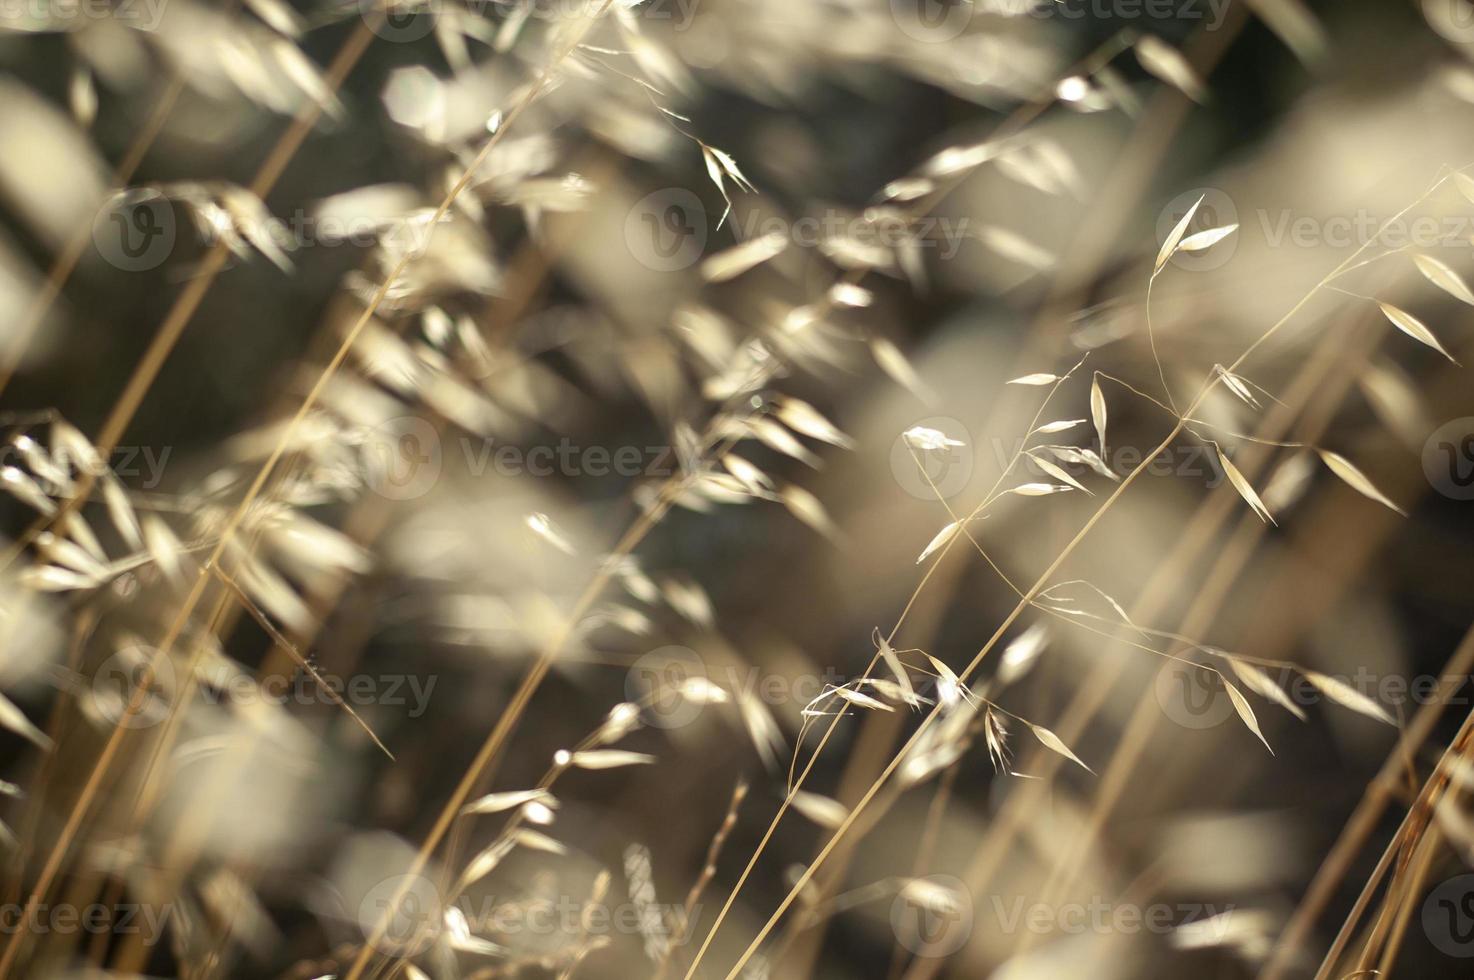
858, 218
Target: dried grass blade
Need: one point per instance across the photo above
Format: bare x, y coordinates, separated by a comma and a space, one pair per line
820, 809
497, 802
1356, 479
609, 759
1348, 697
1059, 473
1261, 684
943, 536
1293, 23
1246, 713
1445, 278
1052, 742
15, 720
1242, 486
1206, 239
1098, 414
898, 669
1168, 64
1414, 328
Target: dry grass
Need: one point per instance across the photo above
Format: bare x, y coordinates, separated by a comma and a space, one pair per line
939, 423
